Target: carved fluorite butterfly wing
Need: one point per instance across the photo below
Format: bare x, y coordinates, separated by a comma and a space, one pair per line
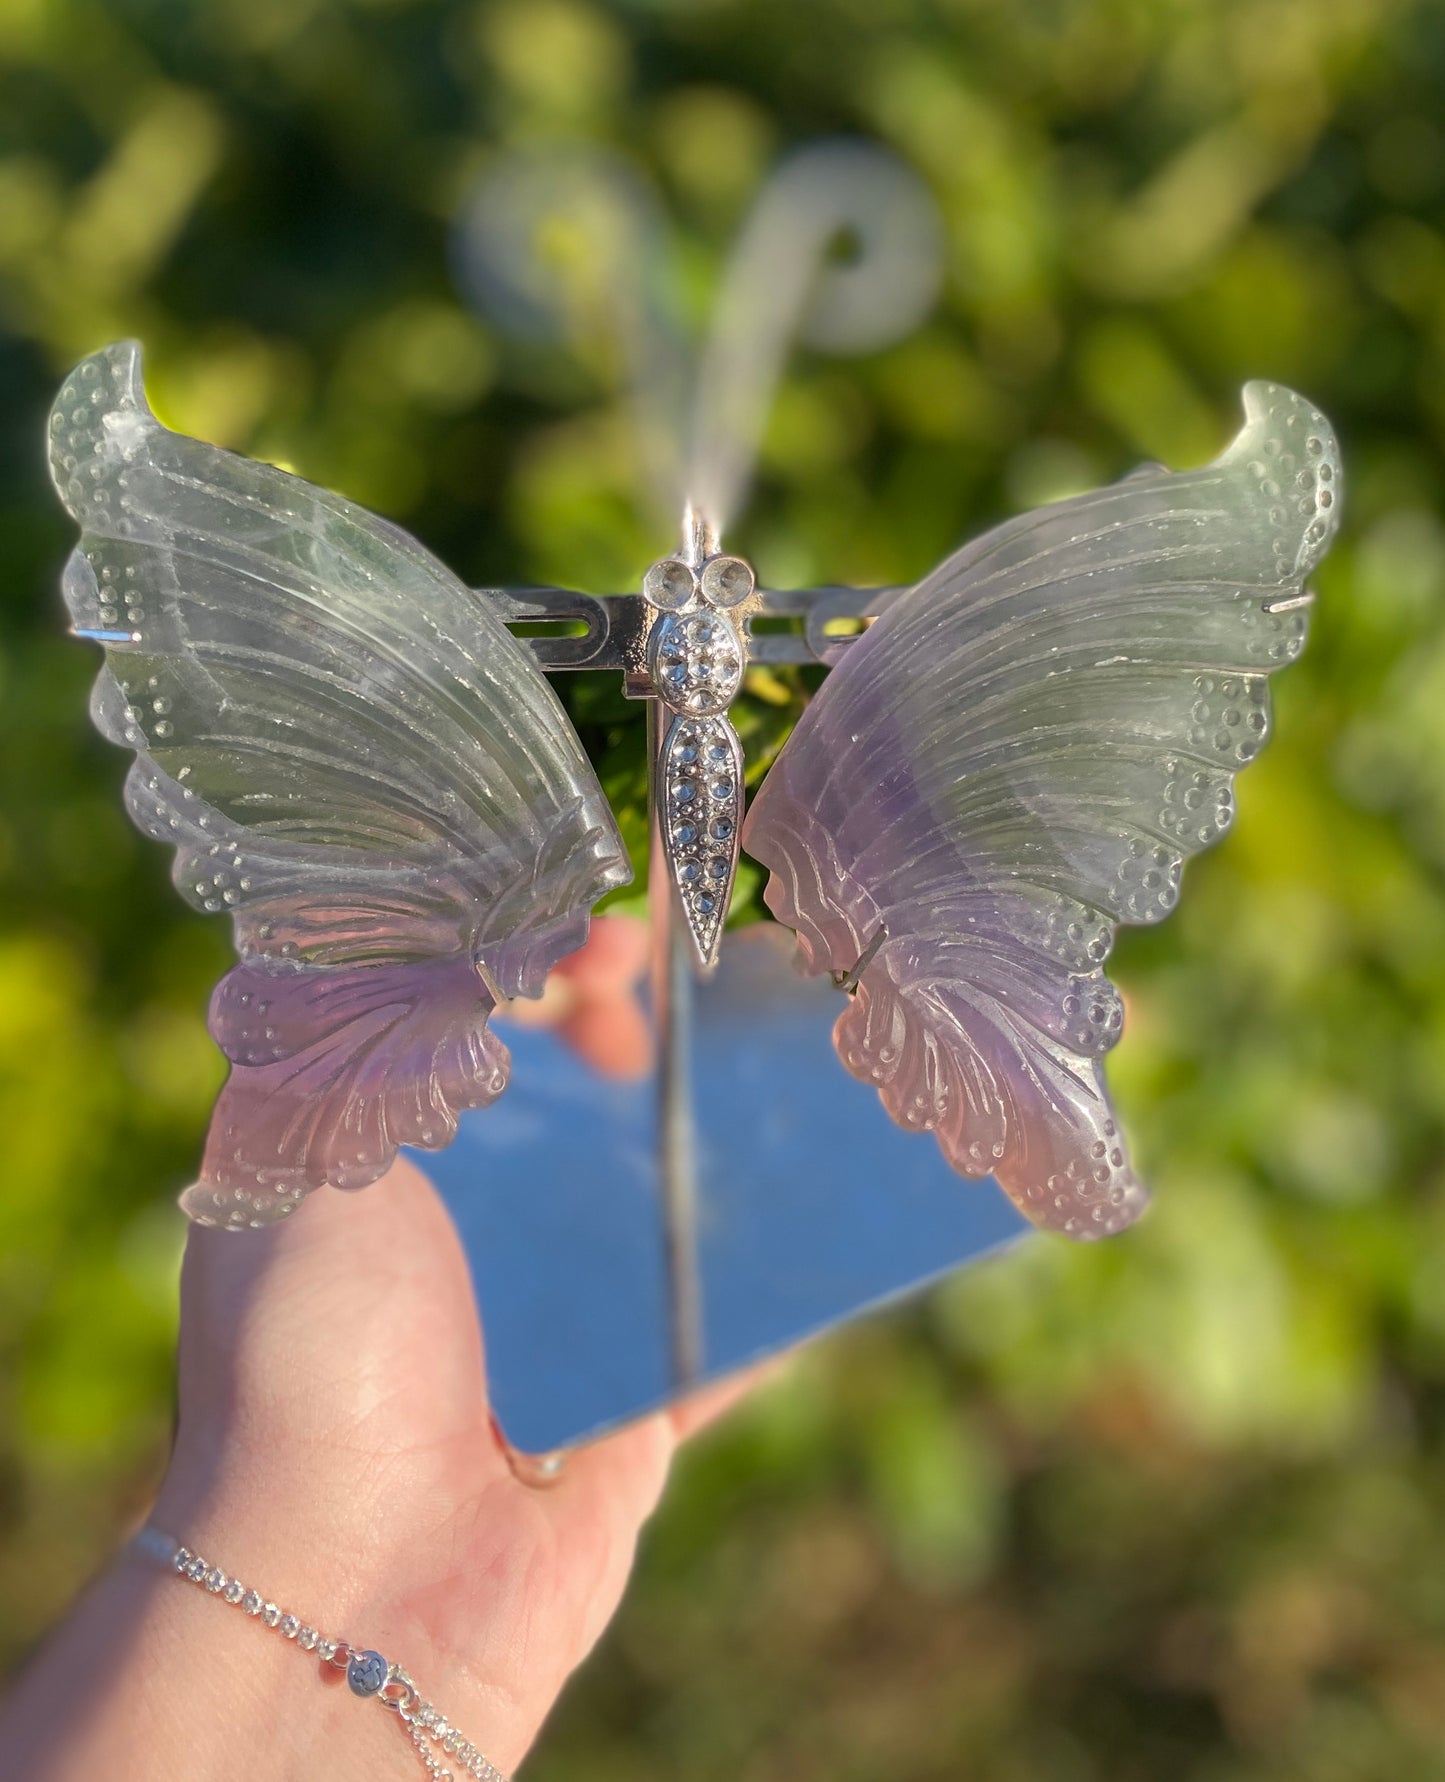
352, 755
1015, 759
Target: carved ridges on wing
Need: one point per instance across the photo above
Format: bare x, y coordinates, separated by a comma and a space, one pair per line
345, 746
1021, 754
1105, 833
1262, 514
1037, 1120
808, 890
1093, 719
969, 931
295, 900
1199, 568
333, 1070
1061, 705
207, 554
103, 435
982, 1024
289, 902
219, 724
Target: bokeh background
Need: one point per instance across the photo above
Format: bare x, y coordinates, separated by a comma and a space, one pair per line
1173, 1507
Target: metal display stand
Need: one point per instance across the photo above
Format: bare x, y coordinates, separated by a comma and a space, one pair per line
632, 1239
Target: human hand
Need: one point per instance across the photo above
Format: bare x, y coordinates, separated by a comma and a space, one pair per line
591, 999
335, 1451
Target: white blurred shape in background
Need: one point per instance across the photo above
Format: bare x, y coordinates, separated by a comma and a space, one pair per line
843, 248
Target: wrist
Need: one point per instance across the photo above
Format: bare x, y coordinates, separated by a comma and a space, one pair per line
151, 1678
155, 1674
377, 1553
369, 1674
381, 1577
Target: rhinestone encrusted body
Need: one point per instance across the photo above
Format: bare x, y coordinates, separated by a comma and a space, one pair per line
702, 775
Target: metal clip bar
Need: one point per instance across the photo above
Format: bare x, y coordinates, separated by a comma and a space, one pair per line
597, 647
617, 624
817, 608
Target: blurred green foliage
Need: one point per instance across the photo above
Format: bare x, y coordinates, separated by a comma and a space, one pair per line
1168, 1508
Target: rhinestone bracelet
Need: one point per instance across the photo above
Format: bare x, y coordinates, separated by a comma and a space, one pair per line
368, 1673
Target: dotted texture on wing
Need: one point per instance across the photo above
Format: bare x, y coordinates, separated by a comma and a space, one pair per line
1017, 758
353, 757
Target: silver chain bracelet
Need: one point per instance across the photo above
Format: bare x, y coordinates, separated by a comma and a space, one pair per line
368, 1673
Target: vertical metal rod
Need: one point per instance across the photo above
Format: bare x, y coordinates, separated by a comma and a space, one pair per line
672, 992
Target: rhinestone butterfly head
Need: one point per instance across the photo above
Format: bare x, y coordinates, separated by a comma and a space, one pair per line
696, 655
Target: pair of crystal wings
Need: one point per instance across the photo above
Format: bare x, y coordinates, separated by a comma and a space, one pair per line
352, 754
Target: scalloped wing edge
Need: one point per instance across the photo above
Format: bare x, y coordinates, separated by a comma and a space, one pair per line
885, 1038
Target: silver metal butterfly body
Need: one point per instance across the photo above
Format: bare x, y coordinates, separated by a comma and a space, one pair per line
353, 755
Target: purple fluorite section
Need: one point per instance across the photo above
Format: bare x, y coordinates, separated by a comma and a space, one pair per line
332, 1069
351, 756
1017, 758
